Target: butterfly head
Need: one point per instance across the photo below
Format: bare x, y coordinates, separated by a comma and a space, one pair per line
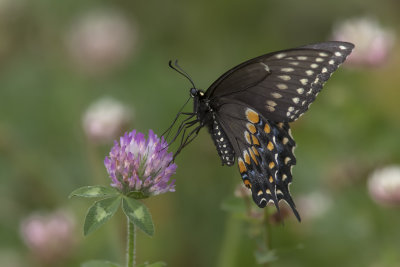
194, 92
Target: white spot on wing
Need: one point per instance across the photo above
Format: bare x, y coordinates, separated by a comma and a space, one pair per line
309, 72
281, 55
324, 70
314, 65
294, 63
284, 77
331, 62
302, 58
300, 90
265, 66
282, 86
318, 59
296, 100
322, 54
285, 140
271, 103
276, 95
303, 81
287, 69
270, 108
342, 47
338, 54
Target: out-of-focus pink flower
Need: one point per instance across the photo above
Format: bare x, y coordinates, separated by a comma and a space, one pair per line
101, 40
105, 120
384, 185
242, 192
373, 43
313, 205
50, 237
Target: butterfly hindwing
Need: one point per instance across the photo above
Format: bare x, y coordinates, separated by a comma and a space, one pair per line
264, 152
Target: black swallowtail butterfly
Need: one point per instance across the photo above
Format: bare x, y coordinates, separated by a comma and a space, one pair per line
248, 109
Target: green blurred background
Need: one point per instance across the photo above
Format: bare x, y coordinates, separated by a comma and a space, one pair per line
352, 129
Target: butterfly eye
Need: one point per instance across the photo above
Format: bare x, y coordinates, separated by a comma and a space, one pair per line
193, 92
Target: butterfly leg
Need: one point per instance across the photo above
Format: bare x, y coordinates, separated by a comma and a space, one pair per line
188, 139
168, 131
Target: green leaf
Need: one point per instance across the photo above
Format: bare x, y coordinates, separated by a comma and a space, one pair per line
94, 191
265, 256
156, 264
138, 213
233, 204
99, 263
137, 195
100, 212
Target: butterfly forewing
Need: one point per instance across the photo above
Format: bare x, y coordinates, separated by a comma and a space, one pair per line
281, 85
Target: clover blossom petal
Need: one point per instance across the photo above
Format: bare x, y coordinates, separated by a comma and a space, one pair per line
139, 164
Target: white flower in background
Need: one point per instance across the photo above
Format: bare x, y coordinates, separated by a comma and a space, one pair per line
50, 237
101, 40
373, 43
313, 205
105, 120
384, 185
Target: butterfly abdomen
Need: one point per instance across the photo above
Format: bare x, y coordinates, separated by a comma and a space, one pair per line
224, 147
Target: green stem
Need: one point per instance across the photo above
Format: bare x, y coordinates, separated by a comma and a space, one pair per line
231, 242
131, 246
267, 229
267, 233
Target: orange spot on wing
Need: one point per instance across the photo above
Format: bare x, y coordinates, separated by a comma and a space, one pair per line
251, 128
255, 140
271, 165
270, 146
255, 150
267, 129
271, 180
268, 191
246, 157
247, 183
242, 166
253, 157
252, 116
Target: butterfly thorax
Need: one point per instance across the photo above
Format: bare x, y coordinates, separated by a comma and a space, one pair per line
208, 117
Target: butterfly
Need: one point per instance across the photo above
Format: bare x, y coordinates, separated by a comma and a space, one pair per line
248, 110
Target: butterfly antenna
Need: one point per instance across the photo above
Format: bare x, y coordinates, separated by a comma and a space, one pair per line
178, 69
